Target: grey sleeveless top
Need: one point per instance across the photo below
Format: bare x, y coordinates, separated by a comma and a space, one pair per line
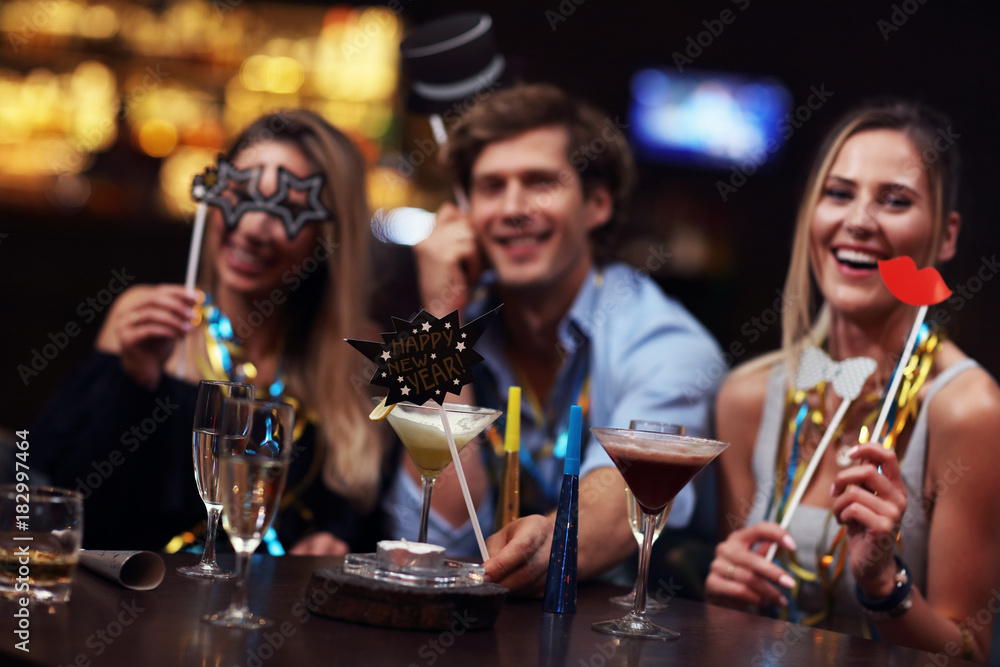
813, 528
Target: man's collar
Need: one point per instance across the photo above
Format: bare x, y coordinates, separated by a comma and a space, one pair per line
573, 327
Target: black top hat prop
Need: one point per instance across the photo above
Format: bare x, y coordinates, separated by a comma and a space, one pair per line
451, 59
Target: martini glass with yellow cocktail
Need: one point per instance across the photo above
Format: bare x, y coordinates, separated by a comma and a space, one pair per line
420, 429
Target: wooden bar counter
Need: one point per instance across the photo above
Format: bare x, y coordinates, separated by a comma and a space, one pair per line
107, 625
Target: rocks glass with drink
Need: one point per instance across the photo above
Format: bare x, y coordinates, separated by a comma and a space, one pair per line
41, 531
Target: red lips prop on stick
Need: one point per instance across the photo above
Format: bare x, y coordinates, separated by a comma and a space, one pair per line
923, 287
914, 287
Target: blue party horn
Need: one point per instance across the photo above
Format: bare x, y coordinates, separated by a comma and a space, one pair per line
560, 585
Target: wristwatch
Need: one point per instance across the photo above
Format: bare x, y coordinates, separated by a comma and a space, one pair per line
894, 605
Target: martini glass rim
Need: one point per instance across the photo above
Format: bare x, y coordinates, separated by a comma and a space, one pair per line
640, 438
224, 383
432, 406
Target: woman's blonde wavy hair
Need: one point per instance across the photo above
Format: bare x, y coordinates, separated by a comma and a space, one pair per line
803, 323
329, 305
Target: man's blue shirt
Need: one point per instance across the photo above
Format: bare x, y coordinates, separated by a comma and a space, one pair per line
628, 352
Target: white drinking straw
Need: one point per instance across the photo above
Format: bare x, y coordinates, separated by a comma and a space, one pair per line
465, 485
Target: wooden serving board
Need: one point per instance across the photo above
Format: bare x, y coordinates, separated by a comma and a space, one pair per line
385, 604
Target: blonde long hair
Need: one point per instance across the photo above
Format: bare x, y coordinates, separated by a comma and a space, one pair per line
802, 323
329, 305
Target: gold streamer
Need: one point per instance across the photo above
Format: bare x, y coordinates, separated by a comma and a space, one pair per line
832, 562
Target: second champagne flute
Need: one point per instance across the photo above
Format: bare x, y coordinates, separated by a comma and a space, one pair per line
253, 478
221, 416
635, 515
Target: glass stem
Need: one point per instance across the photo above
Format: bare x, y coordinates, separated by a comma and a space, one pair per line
239, 603
640, 539
208, 556
639, 603
634, 587
425, 510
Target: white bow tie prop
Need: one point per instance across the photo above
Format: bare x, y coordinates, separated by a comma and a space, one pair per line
847, 378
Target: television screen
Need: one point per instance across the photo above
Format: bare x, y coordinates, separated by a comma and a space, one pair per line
706, 118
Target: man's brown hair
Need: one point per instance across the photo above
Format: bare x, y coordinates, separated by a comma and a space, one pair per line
596, 149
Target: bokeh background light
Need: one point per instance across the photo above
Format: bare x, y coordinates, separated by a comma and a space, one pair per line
178, 79
108, 108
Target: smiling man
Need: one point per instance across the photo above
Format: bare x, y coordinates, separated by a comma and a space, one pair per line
547, 177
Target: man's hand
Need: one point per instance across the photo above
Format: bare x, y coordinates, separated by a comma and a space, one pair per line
448, 263
519, 554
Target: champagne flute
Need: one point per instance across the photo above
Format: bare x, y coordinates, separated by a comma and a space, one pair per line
219, 420
253, 474
656, 466
635, 516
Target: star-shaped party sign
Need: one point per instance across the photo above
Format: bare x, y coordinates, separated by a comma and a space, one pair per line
214, 188
429, 364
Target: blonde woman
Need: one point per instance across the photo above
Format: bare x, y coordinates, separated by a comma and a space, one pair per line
898, 543
283, 284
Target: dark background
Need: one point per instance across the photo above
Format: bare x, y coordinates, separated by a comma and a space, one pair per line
945, 54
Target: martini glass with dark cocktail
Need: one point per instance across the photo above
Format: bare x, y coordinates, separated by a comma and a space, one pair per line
656, 466
422, 433
635, 515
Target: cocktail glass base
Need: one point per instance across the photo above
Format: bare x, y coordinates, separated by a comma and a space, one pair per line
236, 618
451, 573
206, 571
626, 602
635, 625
